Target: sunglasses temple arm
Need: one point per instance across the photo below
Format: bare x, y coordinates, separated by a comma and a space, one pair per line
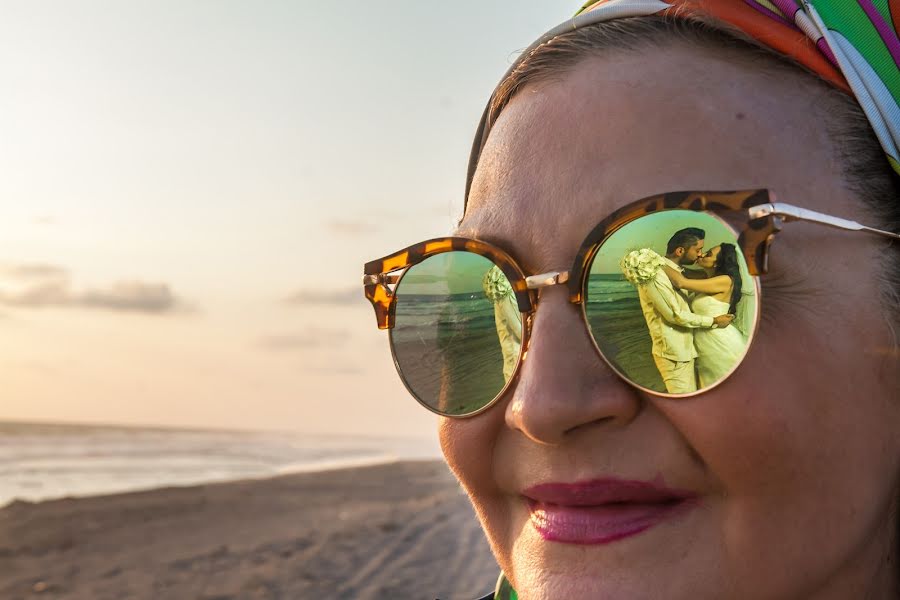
794, 213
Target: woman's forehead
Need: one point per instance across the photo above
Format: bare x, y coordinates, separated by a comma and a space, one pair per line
566, 153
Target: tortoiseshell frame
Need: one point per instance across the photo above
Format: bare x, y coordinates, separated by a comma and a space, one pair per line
382, 297
753, 240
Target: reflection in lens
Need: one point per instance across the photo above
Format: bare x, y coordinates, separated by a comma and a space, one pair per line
457, 332
655, 326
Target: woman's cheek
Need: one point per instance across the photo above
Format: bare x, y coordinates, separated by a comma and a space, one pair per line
467, 445
813, 432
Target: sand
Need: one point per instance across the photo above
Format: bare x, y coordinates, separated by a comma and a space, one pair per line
400, 530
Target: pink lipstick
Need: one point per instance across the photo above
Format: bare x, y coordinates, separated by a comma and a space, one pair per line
601, 511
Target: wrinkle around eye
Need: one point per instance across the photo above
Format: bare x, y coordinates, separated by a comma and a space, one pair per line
793, 290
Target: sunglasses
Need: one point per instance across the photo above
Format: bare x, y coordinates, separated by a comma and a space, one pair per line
459, 311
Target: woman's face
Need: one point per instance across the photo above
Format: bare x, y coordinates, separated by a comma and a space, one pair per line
793, 461
708, 260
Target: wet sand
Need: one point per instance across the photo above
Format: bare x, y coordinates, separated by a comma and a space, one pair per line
401, 530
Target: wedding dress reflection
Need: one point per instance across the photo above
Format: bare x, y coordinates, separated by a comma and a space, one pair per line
718, 350
721, 291
507, 318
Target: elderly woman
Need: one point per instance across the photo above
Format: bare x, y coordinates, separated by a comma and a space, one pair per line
782, 478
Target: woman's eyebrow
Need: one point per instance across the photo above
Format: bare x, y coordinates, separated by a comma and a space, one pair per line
493, 239
504, 243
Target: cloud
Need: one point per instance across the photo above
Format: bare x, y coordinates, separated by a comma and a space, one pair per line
131, 296
40, 366
40, 285
53, 293
333, 370
351, 227
312, 338
31, 271
318, 297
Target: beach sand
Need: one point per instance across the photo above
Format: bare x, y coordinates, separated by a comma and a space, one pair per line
399, 530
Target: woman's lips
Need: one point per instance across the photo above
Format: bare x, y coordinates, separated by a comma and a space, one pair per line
601, 511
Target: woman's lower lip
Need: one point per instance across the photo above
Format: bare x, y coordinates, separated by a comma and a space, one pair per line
601, 524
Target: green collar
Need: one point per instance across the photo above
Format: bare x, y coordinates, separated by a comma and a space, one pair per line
504, 589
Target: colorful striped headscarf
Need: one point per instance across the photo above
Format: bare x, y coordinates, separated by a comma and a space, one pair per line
852, 44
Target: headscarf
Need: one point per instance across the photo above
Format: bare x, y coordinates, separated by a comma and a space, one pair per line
851, 44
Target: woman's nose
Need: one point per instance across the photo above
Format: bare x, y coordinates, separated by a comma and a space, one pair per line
563, 385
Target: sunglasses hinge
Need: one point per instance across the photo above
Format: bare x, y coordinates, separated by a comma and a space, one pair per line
380, 279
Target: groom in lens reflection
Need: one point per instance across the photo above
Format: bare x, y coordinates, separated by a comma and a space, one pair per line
669, 318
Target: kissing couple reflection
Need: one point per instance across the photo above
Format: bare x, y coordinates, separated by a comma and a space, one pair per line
689, 311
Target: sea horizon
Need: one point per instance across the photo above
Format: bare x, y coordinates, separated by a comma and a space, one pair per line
42, 460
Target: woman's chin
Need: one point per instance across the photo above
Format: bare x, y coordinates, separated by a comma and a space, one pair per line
586, 580
646, 563
547, 585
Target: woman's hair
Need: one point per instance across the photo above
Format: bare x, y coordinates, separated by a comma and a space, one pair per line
727, 264
866, 171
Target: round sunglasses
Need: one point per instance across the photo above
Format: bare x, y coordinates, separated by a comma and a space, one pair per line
668, 288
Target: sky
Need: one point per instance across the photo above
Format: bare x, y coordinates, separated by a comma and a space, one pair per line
189, 190
654, 232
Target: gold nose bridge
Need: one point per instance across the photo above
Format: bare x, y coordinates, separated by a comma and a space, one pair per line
542, 280
536, 282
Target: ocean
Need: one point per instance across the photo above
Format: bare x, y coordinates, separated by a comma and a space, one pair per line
449, 346
45, 461
41, 461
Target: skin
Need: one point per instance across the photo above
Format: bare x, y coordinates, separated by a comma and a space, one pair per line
796, 456
707, 260
687, 256
718, 286
690, 256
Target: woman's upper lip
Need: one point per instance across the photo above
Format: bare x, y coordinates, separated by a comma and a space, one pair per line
605, 490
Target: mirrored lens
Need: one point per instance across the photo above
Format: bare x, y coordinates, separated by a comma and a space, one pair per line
655, 289
457, 332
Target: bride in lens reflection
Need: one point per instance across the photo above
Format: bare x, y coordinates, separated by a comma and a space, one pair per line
719, 349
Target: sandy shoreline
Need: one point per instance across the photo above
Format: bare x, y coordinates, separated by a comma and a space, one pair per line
398, 530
